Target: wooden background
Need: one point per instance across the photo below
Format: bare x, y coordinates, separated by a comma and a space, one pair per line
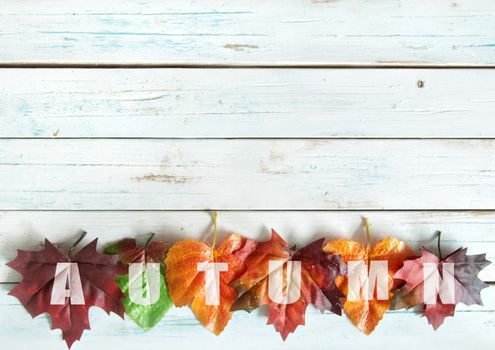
127, 117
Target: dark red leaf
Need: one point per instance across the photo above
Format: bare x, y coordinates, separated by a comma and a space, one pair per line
97, 272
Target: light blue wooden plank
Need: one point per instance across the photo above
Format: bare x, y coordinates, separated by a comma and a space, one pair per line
247, 174
247, 32
179, 329
246, 103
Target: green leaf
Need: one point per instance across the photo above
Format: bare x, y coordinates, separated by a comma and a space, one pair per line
145, 316
112, 249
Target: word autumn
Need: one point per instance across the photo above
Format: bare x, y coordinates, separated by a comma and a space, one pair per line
283, 288
218, 279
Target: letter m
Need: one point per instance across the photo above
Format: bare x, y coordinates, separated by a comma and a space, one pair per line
362, 281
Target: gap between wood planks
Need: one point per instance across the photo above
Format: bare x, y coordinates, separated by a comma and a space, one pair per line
308, 138
309, 65
209, 210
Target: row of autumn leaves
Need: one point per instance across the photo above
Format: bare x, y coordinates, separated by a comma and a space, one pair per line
243, 286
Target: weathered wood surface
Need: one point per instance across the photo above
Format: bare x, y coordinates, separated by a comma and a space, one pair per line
247, 174
473, 325
27, 229
247, 103
222, 32
115, 144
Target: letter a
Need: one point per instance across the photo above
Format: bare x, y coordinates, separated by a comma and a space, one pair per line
67, 275
276, 282
152, 278
212, 280
434, 284
359, 280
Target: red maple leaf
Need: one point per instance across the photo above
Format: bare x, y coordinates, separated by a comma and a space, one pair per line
130, 252
318, 273
97, 274
467, 285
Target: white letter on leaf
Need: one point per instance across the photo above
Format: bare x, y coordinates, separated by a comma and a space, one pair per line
276, 282
152, 283
212, 280
359, 280
67, 275
434, 285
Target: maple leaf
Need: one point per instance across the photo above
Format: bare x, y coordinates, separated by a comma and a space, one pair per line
467, 286
97, 273
318, 273
145, 316
187, 285
366, 314
129, 252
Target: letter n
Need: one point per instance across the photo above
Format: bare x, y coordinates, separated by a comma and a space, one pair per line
435, 285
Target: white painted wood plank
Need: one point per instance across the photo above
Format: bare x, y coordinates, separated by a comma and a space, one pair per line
179, 329
247, 32
27, 230
247, 174
246, 103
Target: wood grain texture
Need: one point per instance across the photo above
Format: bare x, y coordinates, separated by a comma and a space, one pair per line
247, 174
245, 32
96, 181
237, 103
180, 328
27, 230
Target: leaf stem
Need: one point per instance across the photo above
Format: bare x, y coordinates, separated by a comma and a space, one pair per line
214, 216
152, 234
438, 234
368, 233
83, 234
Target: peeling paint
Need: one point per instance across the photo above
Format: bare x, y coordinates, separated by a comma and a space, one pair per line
266, 169
240, 47
276, 156
164, 178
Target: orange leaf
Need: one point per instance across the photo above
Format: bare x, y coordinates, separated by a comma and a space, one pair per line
366, 314
256, 261
186, 285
